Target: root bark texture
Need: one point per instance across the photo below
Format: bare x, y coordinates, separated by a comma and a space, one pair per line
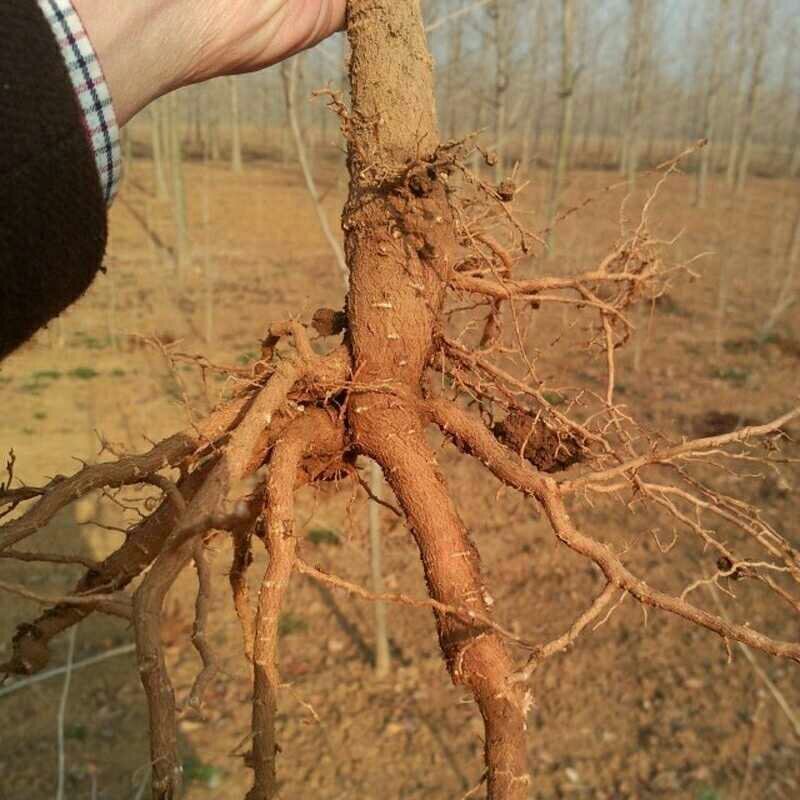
476, 657
401, 246
231, 467
314, 434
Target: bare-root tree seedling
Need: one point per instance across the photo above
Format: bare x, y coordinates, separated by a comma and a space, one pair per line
425, 239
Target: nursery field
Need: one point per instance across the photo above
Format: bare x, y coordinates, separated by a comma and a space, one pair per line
643, 707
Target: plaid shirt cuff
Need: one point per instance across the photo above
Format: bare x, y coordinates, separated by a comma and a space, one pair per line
91, 90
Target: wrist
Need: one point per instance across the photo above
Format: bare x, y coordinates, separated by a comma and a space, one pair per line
138, 62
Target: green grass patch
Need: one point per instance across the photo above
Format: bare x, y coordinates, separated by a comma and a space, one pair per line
323, 536
735, 375
76, 731
290, 623
93, 343
46, 375
554, 398
84, 373
246, 358
196, 771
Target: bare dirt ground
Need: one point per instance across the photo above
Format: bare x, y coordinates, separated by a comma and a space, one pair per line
635, 711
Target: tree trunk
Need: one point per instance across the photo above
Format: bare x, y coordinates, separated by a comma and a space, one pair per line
236, 128
289, 77
382, 653
794, 162
710, 106
182, 254
156, 125
751, 103
454, 52
634, 79
537, 62
565, 125
542, 38
503, 33
400, 244
738, 104
787, 295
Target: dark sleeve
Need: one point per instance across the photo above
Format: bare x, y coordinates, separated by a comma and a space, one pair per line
52, 213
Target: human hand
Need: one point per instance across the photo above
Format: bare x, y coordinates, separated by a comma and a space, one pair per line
150, 47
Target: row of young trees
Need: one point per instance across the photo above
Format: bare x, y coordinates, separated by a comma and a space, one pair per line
621, 85
618, 85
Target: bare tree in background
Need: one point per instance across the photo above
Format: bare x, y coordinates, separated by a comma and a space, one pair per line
455, 49
720, 26
635, 66
537, 85
383, 659
787, 294
758, 27
212, 132
182, 247
794, 161
569, 75
785, 127
236, 126
629, 49
289, 70
504, 23
157, 114
738, 96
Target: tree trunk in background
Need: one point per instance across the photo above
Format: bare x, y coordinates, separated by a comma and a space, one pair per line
542, 40
737, 100
794, 159
305, 111
635, 64
199, 109
794, 166
209, 277
289, 70
638, 104
608, 151
479, 97
454, 50
780, 134
793, 255
591, 47
214, 138
382, 652
236, 127
265, 107
156, 127
720, 25
503, 33
787, 295
182, 249
751, 102
567, 93
537, 66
